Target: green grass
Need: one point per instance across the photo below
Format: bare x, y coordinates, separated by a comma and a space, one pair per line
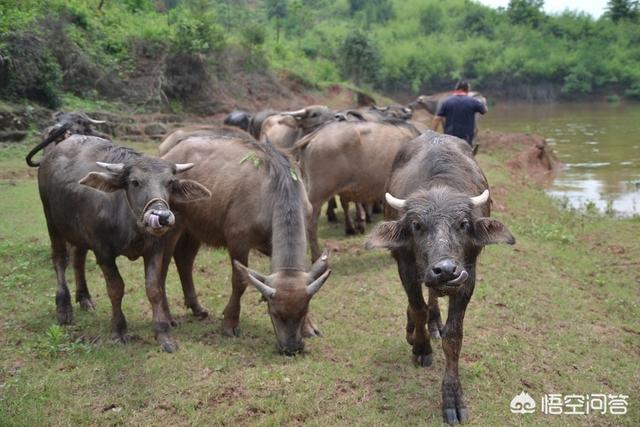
557, 313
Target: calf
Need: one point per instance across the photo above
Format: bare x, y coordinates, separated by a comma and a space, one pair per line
438, 223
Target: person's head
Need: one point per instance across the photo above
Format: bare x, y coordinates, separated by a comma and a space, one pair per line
463, 85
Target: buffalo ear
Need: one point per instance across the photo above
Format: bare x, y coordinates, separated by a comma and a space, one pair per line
489, 231
103, 181
186, 190
387, 235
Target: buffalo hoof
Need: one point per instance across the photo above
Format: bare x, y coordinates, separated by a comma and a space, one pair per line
310, 330
87, 305
361, 227
169, 347
122, 337
200, 312
65, 317
350, 231
435, 334
173, 322
422, 360
231, 331
453, 416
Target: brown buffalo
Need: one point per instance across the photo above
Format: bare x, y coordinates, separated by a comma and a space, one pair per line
260, 203
352, 159
437, 226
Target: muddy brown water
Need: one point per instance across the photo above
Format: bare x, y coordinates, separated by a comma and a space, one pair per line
598, 143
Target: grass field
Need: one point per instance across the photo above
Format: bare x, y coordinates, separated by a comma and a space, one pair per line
557, 313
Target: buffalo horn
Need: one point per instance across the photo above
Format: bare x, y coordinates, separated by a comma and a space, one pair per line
301, 112
395, 203
481, 199
317, 284
94, 121
266, 290
181, 167
113, 167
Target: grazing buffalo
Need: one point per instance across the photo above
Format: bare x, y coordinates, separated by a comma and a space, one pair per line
352, 159
437, 227
260, 204
114, 201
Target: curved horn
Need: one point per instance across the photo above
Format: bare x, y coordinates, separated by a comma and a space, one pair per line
395, 203
481, 199
113, 167
317, 284
94, 121
181, 167
301, 112
266, 290
320, 266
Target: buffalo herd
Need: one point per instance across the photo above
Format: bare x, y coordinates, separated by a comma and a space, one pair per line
258, 182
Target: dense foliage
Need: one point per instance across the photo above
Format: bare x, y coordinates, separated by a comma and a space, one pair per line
398, 46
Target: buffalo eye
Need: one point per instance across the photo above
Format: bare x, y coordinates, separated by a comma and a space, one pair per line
134, 182
416, 226
465, 225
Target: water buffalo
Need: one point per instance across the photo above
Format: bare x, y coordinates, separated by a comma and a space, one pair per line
260, 204
283, 128
175, 137
114, 201
66, 124
352, 159
438, 223
238, 118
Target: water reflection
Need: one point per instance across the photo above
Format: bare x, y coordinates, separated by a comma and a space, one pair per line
599, 144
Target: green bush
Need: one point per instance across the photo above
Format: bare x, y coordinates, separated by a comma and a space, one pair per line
196, 32
30, 70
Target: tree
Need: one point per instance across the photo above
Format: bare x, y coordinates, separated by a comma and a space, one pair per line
527, 12
360, 59
618, 10
278, 10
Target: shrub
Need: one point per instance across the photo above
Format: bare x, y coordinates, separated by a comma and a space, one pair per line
30, 71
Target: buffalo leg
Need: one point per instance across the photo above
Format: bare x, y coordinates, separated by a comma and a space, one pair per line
64, 310
377, 207
349, 228
310, 329
435, 320
115, 289
231, 320
454, 410
331, 210
312, 232
79, 258
361, 218
155, 274
184, 255
368, 212
417, 311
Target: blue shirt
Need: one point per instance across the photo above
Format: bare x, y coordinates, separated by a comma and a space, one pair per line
459, 113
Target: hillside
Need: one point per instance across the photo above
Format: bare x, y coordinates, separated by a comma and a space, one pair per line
204, 56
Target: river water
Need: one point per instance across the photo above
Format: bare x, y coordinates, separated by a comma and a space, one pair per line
599, 145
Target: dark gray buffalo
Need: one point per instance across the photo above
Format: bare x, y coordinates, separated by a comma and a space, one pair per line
436, 230
111, 200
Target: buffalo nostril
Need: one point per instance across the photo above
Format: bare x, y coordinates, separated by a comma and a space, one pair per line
164, 217
437, 271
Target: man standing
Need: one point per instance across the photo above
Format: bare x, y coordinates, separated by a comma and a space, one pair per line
458, 112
